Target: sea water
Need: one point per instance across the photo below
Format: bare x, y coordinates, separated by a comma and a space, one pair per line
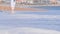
30, 22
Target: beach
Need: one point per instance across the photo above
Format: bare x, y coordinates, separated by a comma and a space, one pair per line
8, 8
29, 20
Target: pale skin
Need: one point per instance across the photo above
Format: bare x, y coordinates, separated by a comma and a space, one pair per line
53, 0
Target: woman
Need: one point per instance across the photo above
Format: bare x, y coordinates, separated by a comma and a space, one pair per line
12, 6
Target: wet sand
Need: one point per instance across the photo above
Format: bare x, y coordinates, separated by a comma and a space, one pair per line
8, 8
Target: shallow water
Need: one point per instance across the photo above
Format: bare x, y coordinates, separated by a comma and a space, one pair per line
48, 7
43, 20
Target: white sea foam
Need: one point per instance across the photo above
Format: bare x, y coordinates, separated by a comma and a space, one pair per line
35, 16
3, 31
25, 30
31, 16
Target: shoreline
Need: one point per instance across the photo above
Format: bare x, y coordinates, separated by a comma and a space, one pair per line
8, 8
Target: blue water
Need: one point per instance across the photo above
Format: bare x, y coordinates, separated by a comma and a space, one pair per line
48, 12
49, 7
7, 19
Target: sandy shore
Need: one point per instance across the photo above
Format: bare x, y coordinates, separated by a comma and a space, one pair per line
8, 8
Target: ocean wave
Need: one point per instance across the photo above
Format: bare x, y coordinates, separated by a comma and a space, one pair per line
35, 16
31, 16
28, 30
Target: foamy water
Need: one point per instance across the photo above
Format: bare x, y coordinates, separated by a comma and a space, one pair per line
28, 30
